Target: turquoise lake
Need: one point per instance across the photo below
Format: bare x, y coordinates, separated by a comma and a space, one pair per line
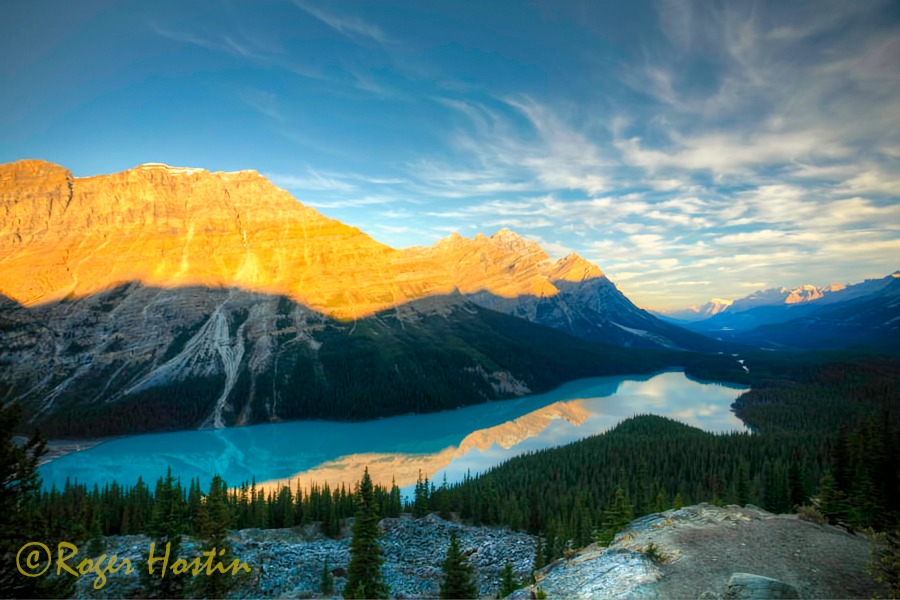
473, 438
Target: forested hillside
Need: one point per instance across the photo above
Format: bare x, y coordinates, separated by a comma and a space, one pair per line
826, 435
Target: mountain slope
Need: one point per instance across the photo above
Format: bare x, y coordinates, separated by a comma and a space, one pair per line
804, 315
697, 313
869, 320
149, 359
163, 298
65, 237
508, 274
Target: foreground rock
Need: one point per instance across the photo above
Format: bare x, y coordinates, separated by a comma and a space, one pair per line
287, 563
745, 586
712, 552
699, 551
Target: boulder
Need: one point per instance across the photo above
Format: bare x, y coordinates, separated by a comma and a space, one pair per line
756, 587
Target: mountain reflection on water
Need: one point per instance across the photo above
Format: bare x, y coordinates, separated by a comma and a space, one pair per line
472, 439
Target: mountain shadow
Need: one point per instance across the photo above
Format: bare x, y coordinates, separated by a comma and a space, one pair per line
136, 359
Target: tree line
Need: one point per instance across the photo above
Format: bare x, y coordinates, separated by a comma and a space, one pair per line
825, 436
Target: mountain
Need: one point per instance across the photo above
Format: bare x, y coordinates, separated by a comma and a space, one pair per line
508, 274
697, 313
808, 317
65, 237
867, 320
161, 297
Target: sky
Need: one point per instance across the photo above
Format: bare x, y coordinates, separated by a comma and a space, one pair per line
690, 149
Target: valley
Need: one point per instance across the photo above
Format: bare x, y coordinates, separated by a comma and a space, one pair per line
160, 299
368, 300
177, 330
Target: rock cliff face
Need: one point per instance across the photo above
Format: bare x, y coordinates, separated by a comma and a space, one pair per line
119, 287
64, 237
705, 551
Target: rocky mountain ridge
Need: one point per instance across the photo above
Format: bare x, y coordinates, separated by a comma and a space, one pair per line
780, 296
63, 237
837, 316
161, 298
697, 313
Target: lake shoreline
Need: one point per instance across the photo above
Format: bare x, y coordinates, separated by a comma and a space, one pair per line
473, 438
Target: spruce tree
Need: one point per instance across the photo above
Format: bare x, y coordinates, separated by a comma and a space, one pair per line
395, 504
97, 544
885, 565
508, 583
167, 524
215, 522
831, 501
661, 503
540, 559
327, 581
457, 579
743, 484
615, 517
19, 492
364, 577
420, 501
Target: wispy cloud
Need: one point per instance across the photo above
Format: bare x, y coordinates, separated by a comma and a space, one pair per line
311, 180
231, 43
348, 25
717, 145
265, 103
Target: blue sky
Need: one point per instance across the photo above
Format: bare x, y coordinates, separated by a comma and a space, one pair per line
691, 150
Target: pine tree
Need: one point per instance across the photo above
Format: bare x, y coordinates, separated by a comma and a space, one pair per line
615, 517
508, 583
420, 495
364, 577
19, 492
458, 579
327, 581
216, 520
166, 526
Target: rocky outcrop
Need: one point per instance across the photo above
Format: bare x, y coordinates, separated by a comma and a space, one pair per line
62, 237
699, 551
713, 552
287, 563
747, 586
